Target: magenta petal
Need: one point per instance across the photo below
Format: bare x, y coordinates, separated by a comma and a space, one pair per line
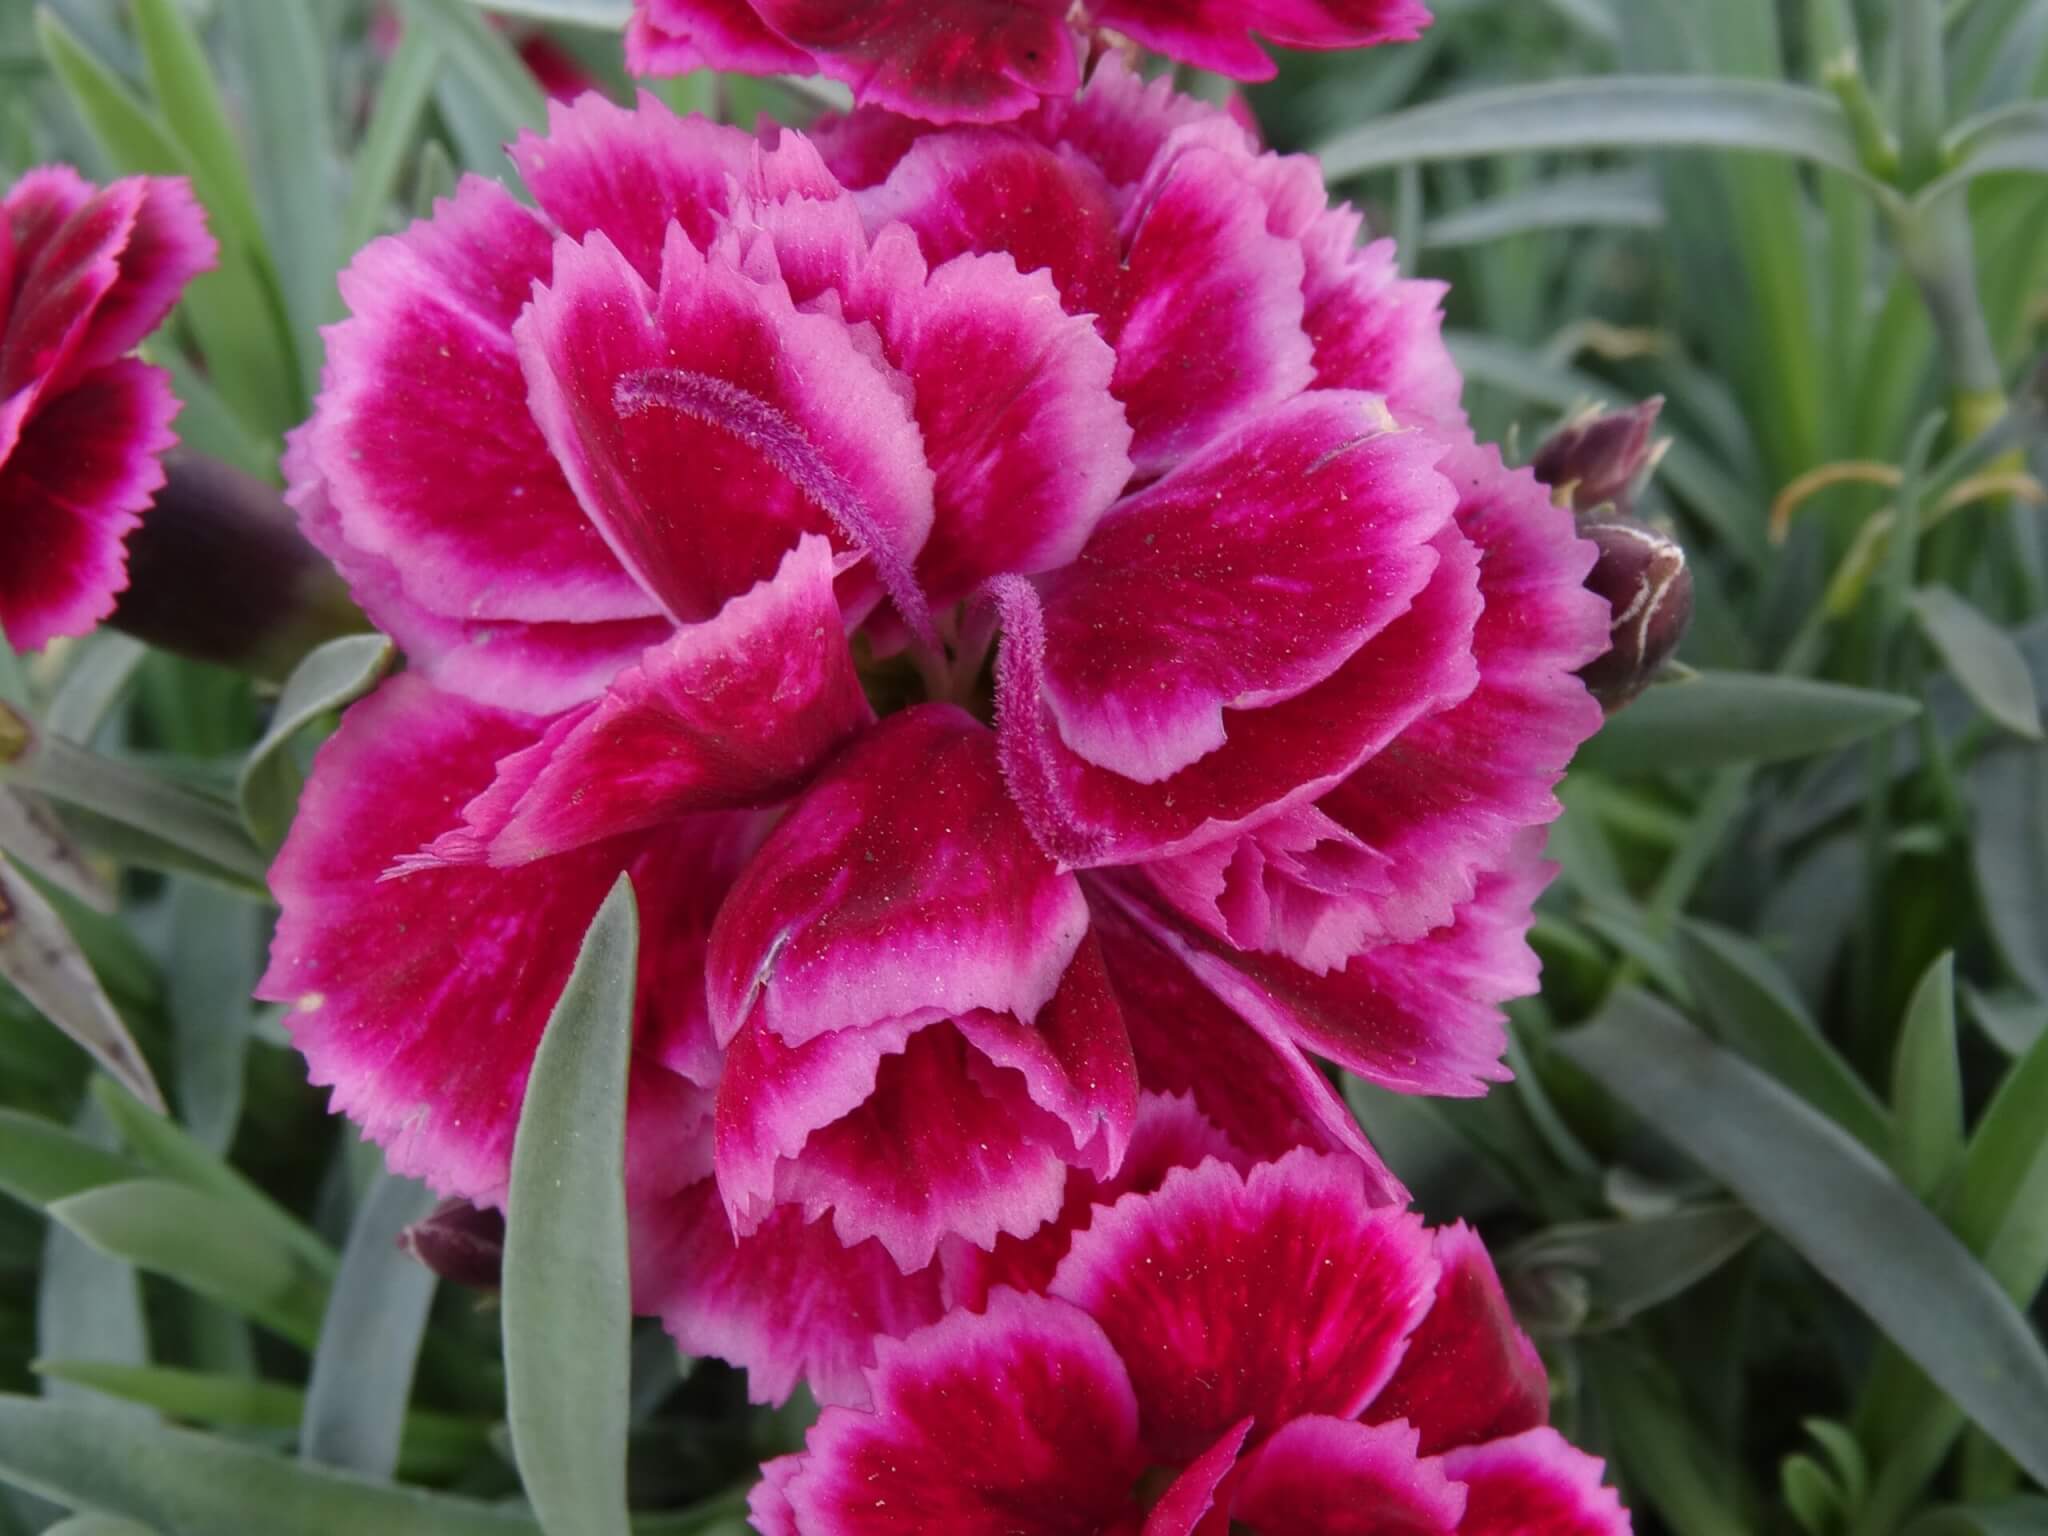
674, 37
422, 1000
1170, 1133
1217, 34
998, 193
1208, 323
705, 426
933, 1141
971, 61
1016, 1422
903, 881
1417, 1017
788, 1303
66, 238
1470, 1374
734, 712
1277, 1294
1274, 758
1027, 445
167, 247
1242, 579
768, 1507
1323, 1476
430, 461
1191, 1505
631, 172
1122, 120
78, 479
1464, 785
1534, 1484
1252, 1083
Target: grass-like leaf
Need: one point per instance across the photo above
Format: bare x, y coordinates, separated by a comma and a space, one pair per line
1981, 657
330, 677
1927, 1084
1716, 719
1831, 1199
567, 1307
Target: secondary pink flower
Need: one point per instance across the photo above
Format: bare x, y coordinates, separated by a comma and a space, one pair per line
989, 61
85, 274
1261, 1350
701, 496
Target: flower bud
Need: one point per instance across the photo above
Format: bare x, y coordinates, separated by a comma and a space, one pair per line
460, 1242
219, 572
1643, 575
1601, 458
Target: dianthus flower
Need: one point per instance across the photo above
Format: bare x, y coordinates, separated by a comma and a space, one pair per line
989, 61
698, 497
1259, 1351
85, 274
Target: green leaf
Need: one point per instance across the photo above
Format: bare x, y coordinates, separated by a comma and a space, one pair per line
402, 92
1603, 200
610, 15
1982, 657
1927, 1084
233, 309
196, 117
1753, 1008
218, 939
1632, 1266
292, 147
98, 673
2011, 1517
97, 1525
1828, 1197
41, 1161
1668, 1458
567, 1312
1813, 1496
206, 830
188, 1484
197, 1240
44, 963
1715, 719
32, 832
2009, 848
2012, 138
1615, 112
486, 61
330, 678
370, 1337
433, 1442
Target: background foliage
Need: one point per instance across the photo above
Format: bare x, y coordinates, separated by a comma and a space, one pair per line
1772, 1184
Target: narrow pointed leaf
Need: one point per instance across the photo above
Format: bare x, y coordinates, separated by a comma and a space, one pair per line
567, 1308
1716, 719
45, 964
611, 15
173, 1230
99, 672
31, 831
1632, 1266
402, 92
193, 111
1828, 1197
188, 1484
41, 1161
2009, 846
1753, 1007
331, 677
1982, 657
2027, 1516
1927, 1084
370, 1337
205, 828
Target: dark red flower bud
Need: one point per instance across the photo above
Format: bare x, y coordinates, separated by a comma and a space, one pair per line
1600, 459
459, 1242
1643, 575
218, 571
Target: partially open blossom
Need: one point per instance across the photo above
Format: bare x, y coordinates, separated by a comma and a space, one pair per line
989, 61
1026, 608
1263, 1351
85, 274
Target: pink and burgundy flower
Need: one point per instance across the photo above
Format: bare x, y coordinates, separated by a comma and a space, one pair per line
85, 274
1026, 608
990, 61
1261, 1351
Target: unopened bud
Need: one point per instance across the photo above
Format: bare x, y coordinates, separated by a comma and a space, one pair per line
1601, 459
460, 1242
219, 572
1644, 578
